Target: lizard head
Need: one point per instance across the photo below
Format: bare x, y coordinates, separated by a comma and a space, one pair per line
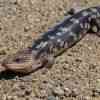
25, 61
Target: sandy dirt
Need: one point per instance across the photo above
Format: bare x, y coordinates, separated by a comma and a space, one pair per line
75, 74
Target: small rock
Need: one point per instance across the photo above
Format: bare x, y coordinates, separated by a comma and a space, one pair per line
11, 98
78, 60
20, 94
41, 93
86, 98
51, 98
90, 48
74, 93
98, 83
13, 1
30, 18
58, 91
67, 91
96, 92
28, 92
26, 28
33, 98
22, 87
37, 19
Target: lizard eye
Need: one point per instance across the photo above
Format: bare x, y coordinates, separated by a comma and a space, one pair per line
20, 59
17, 60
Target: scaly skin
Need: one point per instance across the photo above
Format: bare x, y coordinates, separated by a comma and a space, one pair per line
52, 43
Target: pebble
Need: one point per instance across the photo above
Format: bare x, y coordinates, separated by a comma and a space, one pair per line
78, 60
22, 87
13, 1
26, 28
11, 98
37, 19
51, 98
58, 91
86, 98
67, 91
96, 91
98, 83
74, 93
30, 18
28, 92
42, 93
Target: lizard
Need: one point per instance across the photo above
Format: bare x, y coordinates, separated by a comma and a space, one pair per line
55, 41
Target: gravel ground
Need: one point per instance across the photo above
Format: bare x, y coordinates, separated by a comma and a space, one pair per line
75, 74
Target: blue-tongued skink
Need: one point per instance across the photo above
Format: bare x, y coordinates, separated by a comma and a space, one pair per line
55, 41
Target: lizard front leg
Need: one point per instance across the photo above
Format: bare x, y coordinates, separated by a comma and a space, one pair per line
95, 26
